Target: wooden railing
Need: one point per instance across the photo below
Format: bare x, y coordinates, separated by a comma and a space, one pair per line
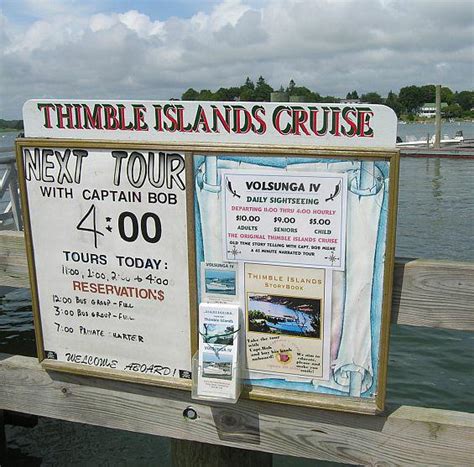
10, 214
430, 293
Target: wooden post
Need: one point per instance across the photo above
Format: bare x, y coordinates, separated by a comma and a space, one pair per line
437, 142
192, 454
3, 439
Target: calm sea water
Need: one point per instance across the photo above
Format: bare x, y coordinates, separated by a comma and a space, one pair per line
431, 368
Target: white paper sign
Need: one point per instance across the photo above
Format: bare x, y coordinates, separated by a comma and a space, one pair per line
111, 257
291, 218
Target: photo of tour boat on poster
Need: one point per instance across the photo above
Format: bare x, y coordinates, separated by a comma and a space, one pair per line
288, 316
219, 282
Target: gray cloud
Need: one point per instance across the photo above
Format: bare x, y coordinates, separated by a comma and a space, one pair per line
329, 46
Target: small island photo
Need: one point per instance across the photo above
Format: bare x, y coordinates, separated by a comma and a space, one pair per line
217, 365
292, 316
218, 334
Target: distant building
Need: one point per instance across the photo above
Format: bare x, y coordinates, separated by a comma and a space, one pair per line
349, 101
429, 110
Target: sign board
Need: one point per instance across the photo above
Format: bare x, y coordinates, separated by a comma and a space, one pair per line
110, 241
326, 125
128, 238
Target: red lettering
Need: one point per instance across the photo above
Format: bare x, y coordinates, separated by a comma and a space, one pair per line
259, 119
346, 115
300, 117
277, 123
158, 118
61, 116
47, 116
365, 131
169, 110
139, 117
111, 120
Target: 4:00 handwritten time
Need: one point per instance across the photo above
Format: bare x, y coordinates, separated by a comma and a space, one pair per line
113, 276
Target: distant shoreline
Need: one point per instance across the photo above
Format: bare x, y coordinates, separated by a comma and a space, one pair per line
433, 120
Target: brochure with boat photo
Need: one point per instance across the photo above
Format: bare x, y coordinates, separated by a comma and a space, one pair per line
219, 282
218, 358
287, 313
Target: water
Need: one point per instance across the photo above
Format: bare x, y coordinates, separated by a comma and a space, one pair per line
297, 322
419, 131
427, 367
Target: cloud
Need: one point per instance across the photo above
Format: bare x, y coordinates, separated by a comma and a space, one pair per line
72, 49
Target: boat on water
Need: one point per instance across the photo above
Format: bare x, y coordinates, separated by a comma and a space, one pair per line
214, 369
429, 142
215, 285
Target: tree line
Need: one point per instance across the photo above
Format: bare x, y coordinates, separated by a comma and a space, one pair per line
11, 124
407, 102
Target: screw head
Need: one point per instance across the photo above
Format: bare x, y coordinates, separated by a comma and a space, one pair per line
190, 413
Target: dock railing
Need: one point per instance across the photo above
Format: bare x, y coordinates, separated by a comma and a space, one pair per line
10, 209
437, 294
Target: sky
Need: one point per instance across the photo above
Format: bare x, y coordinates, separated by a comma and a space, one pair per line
152, 49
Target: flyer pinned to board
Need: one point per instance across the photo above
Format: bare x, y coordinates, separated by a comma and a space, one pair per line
288, 316
290, 218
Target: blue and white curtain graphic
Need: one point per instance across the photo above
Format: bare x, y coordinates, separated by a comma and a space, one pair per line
356, 292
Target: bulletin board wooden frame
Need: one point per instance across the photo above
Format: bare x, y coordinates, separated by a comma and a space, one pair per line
289, 397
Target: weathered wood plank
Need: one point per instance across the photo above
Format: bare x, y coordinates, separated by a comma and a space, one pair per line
407, 435
432, 293
13, 262
192, 454
3, 439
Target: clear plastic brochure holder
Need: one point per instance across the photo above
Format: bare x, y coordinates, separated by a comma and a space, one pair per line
217, 365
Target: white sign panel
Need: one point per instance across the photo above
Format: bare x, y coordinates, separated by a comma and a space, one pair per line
111, 257
307, 124
291, 218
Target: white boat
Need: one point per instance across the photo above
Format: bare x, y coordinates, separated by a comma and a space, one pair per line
216, 286
458, 138
213, 369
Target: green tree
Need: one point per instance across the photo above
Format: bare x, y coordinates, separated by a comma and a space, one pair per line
372, 98
247, 90
291, 87
392, 102
465, 99
246, 95
447, 95
427, 93
249, 84
411, 98
206, 95
190, 95
262, 90
453, 111
352, 95
227, 94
